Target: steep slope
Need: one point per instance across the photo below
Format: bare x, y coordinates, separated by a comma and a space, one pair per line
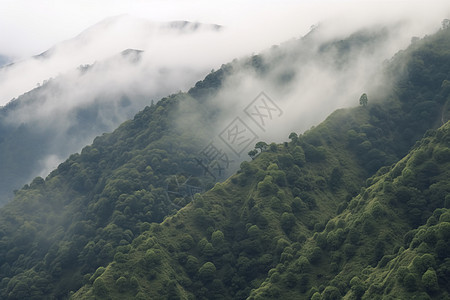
235, 226
264, 227
259, 230
375, 248
118, 184
42, 127
86, 227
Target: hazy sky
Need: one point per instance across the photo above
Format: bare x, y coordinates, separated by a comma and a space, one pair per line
31, 27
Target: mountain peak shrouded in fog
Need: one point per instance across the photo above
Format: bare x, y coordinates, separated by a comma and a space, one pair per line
307, 77
88, 85
120, 32
98, 42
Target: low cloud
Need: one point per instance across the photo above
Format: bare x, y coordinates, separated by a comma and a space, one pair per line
307, 80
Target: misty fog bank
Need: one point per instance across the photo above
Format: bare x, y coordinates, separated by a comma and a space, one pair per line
60, 115
164, 44
97, 86
303, 82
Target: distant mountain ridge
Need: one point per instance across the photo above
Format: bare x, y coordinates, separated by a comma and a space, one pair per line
96, 43
126, 24
93, 91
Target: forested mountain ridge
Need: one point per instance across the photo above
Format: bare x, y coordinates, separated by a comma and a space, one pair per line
391, 241
88, 224
267, 230
259, 241
29, 137
79, 89
123, 170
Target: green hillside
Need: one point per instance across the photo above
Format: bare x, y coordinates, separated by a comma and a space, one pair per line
58, 229
375, 248
251, 235
27, 142
269, 231
354, 207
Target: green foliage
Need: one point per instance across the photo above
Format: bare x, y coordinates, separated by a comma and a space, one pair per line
152, 258
299, 156
290, 221
302, 265
262, 146
207, 271
187, 242
409, 282
97, 273
316, 296
100, 289
430, 281
422, 263
314, 154
357, 287
331, 293
363, 100
217, 238
252, 153
122, 284
266, 187
287, 222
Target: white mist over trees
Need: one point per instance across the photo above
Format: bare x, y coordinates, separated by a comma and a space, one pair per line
91, 83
